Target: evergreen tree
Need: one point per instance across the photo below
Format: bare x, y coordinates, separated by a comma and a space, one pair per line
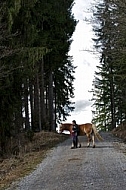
110, 42
34, 45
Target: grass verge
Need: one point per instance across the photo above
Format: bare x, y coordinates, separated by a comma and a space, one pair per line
30, 155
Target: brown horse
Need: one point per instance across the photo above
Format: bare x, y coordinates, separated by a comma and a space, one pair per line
87, 129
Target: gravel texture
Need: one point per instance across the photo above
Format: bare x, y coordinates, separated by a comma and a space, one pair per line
100, 168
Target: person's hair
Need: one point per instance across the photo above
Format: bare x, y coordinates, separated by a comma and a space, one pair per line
74, 121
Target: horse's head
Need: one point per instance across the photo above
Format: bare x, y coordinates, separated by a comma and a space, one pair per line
65, 126
61, 128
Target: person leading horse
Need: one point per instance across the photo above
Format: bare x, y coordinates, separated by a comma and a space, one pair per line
75, 134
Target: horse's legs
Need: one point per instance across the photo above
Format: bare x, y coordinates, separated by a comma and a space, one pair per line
78, 143
89, 139
93, 141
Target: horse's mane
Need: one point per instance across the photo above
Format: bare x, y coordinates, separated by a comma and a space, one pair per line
65, 124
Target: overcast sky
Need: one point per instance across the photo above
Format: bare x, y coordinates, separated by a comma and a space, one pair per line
85, 61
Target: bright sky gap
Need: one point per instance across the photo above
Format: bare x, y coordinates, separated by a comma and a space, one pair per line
85, 61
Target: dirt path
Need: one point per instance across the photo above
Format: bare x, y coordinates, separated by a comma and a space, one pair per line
100, 168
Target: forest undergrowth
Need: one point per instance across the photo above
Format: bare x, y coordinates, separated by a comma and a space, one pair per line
26, 157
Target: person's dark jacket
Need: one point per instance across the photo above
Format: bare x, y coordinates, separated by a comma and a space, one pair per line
76, 129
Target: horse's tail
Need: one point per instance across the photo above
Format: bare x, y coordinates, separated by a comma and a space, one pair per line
98, 136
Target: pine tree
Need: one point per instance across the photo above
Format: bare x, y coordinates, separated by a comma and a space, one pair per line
110, 41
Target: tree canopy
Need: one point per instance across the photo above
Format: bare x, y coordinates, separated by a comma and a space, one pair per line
36, 73
109, 83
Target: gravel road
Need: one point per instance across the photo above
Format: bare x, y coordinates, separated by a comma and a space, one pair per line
100, 168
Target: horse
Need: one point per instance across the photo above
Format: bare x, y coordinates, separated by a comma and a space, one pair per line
87, 129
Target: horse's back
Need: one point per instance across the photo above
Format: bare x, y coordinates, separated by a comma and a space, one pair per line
66, 124
85, 128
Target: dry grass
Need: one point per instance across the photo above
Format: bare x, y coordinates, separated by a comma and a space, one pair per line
30, 154
120, 131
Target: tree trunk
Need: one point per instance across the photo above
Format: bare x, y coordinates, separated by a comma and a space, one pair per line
37, 123
51, 111
31, 103
113, 125
26, 105
42, 98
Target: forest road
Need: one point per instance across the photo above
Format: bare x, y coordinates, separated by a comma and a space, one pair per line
100, 168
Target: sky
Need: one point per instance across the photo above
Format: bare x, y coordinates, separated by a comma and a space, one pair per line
85, 61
